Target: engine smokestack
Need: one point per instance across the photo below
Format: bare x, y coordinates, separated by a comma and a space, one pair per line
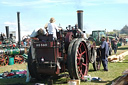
80, 19
18, 19
7, 31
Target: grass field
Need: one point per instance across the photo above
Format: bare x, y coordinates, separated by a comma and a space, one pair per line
115, 71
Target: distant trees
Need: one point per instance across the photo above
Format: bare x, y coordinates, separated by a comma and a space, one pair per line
110, 33
114, 32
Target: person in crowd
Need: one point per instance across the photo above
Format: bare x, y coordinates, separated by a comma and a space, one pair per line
121, 40
36, 33
51, 28
104, 53
109, 45
124, 40
114, 45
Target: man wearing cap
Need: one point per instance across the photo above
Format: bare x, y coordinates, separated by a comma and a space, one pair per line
104, 53
52, 27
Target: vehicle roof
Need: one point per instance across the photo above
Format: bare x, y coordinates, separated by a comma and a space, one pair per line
98, 31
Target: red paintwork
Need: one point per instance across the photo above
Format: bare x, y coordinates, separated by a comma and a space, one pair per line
18, 59
4, 60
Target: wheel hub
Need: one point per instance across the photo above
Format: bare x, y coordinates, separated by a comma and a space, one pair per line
82, 60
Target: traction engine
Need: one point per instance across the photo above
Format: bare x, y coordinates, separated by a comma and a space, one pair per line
8, 49
71, 52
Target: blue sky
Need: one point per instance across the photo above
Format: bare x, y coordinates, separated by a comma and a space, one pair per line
98, 14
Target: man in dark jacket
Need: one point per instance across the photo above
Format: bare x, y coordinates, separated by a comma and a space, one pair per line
104, 53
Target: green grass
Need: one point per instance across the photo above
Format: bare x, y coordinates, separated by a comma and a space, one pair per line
13, 67
115, 71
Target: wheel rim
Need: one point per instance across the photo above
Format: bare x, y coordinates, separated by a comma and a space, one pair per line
82, 60
70, 59
4, 60
18, 59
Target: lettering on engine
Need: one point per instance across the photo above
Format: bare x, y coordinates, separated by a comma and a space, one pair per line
41, 45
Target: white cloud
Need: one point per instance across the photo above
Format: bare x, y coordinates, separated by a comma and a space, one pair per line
109, 1
43, 3
99, 2
9, 23
25, 30
122, 1
28, 3
14, 25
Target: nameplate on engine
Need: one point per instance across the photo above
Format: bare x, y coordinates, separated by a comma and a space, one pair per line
41, 45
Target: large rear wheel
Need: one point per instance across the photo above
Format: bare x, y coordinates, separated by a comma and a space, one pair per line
78, 59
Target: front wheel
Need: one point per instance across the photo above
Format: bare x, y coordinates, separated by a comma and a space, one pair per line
78, 60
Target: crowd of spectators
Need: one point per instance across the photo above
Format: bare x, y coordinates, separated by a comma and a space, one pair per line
118, 41
25, 41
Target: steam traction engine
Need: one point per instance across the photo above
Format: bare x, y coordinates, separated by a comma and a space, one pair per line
69, 53
8, 47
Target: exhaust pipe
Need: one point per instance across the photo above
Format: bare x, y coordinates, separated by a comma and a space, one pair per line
80, 19
18, 19
7, 31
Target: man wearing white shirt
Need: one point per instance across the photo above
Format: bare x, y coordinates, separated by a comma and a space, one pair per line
52, 27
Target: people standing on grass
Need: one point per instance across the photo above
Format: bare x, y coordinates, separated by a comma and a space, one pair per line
114, 45
104, 53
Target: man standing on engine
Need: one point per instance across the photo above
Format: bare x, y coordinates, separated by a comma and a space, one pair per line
52, 27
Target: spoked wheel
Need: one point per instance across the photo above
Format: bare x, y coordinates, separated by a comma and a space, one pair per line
78, 60
18, 59
98, 59
4, 60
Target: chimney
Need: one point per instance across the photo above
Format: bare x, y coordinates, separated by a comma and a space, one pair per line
80, 19
18, 19
7, 31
